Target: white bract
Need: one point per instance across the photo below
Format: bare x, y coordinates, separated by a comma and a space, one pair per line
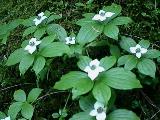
39, 19
102, 15
99, 111
32, 46
7, 118
93, 69
70, 40
138, 50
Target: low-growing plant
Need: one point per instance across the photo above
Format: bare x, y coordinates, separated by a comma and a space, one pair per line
96, 80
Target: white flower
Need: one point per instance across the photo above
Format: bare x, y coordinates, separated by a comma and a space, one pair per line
102, 15
138, 50
7, 118
39, 19
32, 46
93, 69
70, 40
99, 111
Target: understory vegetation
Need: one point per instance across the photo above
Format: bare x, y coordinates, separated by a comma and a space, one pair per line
79, 60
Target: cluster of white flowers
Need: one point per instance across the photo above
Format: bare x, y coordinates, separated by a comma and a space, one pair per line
7, 118
70, 40
102, 15
39, 19
99, 111
138, 50
32, 46
93, 69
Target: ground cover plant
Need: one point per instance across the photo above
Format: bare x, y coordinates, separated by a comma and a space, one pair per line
79, 60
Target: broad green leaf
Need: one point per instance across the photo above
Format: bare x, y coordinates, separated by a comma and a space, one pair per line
122, 60
15, 57
120, 78
2, 115
53, 17
85, 21
101, 92
122, 114
27, 110
147, 67
47, 40
115, 51
83, 86
144, 43
86, 103
55, 49
81, 116
88, 15
127, 42
113, 8
58, 30
70, 80
29, 30
40, 32
131, 62
39, 64
111, 31
14, 109
33, 94
152, 53
25, 63
121, 21
20, 96
83, 62
15, 23
89, 33
107, 62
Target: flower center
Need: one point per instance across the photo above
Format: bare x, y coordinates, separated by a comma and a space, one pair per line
138, 50
39, 17
102, 14
93, 67
100, 110
32, 43
70, 39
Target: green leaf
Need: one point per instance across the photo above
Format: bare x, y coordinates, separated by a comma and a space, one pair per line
152, 53
83, 62
29, 30
147, 67
144, 43
39, 64
14, 109
121, 21
126, 43
131, 62
81, 116
111, 31
101, 92
83, 86
2, 115
113, 8
40, 32
107, 62
86, 103
25, 63
115, 51
33, 94
58, 30
68, 80
20, 96
15, 57
27, 110
120, 78
85, 21
55, 49
122, 114
53, 17
89, 33
122, 60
